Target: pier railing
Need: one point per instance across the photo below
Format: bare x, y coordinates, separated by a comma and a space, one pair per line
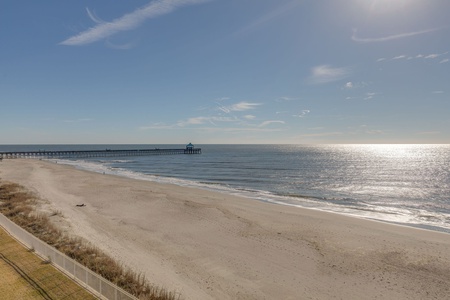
96, 153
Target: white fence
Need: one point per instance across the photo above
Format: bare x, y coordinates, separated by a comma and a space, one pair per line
92, 281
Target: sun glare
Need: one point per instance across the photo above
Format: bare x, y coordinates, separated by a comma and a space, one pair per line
404, 151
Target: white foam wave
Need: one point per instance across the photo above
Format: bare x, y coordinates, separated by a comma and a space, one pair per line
406, 216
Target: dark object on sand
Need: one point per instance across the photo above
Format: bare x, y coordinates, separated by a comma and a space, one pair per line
80, 205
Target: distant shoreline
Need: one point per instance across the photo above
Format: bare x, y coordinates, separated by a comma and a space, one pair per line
208, 245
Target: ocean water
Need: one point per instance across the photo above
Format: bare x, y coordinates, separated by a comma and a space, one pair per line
402, 184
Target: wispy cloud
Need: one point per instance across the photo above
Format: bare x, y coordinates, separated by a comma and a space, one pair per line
389, 37
285, 99
325, 73
432, 56
437, 92
213, 129
349, 85
127, 22
239, 129
416, 57
362, 96
266, 123
370, 96
281, 112
241, 106
222, 118
92, 15
302, 113
273, 14
158, 126
222, 99
445, 60
202, 120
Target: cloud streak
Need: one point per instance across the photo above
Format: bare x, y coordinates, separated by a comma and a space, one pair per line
285, 99
203, 120
241, 106
274, 14
94, 17
127, 22
325, 74
389, 37
431, 56
266, 123
302, 113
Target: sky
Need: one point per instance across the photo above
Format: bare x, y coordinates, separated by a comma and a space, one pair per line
224, 71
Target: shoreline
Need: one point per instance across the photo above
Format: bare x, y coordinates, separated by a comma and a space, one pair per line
399, 217
209, 245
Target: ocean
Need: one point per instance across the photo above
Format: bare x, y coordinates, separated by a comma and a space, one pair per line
401, 184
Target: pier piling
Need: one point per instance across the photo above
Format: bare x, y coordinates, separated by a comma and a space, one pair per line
96, 153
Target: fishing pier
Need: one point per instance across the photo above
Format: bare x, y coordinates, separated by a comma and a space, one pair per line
42, 154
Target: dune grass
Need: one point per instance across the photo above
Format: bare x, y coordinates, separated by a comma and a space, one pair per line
17, 204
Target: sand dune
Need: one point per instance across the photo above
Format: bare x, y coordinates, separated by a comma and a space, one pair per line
208, 245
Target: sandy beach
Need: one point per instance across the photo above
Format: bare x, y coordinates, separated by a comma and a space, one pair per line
207, 245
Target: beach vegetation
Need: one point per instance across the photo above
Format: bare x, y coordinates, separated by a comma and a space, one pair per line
18, 205
23, 275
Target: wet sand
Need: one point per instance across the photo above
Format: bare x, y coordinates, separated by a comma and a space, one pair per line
208, 245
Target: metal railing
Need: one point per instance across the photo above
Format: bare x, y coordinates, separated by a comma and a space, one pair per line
96, 153
85, 277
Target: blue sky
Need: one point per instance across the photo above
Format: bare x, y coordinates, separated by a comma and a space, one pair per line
225, 71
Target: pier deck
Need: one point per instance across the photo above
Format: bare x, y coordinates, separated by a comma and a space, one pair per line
96, 153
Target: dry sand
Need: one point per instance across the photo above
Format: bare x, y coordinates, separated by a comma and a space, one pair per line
208, 245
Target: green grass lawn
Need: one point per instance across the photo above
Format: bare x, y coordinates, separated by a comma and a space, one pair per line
23, 275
